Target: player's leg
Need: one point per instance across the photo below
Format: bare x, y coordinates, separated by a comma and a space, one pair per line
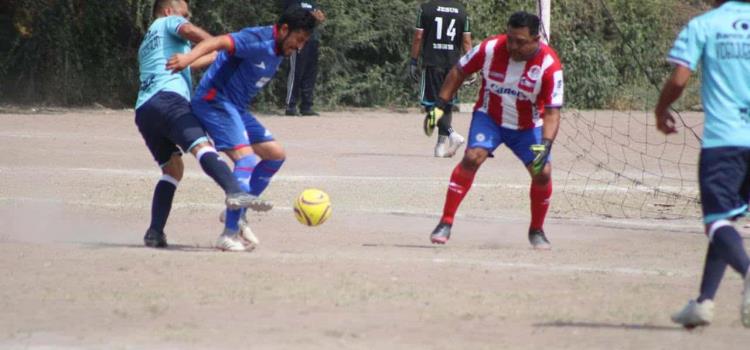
432, 81
310, 53
150, 120
484, 138
268, 149
223, 122
722, 177
293, 84
540, 190
186, 131
448, 138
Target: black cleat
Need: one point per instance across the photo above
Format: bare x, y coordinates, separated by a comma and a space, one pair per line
155, 239
538, 240
441, 234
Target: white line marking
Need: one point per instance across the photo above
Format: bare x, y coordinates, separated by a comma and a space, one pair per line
440, 181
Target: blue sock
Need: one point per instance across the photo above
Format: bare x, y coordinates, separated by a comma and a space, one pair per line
729, 246
713, 272
265, 170
161, 204
243, 171
218, 170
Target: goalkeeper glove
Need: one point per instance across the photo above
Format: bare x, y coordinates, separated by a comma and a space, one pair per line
434, 115
541, 155
414, 70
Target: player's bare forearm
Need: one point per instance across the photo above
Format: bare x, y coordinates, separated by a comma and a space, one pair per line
467, 42
193, 33
179, 62
551, 123
673, 89
452, 82
416, 44
204, 61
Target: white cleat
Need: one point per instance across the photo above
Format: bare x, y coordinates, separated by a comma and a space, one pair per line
695, 314
441, 149
230, 241
246, 232
456, 141
745, 311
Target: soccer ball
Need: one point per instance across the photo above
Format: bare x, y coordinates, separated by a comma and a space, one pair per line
312, 207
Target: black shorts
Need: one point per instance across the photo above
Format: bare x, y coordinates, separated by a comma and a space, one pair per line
165, 122
431, 83
724, 176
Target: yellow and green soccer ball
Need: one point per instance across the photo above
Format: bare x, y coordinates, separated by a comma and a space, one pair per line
312, 207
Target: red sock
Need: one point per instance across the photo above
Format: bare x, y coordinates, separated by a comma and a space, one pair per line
461, 181
540, 195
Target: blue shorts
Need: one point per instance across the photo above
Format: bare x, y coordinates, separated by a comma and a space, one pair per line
165, 122
229, 127
724, 177
485, 133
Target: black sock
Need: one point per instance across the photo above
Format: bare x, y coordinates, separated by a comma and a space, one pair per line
162, 203
444, 124
713, 272
218, 170
729, 244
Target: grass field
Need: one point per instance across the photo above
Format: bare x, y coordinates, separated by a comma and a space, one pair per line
75, 191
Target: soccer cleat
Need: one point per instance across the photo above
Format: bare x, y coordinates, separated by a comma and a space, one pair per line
246, 232
230, 241
695, 314
456, 141
244, 200
538, 240
745, 311
441, 150
155, 239
441, 234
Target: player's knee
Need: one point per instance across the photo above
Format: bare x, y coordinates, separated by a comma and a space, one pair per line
237, 154
474, 158
543, 178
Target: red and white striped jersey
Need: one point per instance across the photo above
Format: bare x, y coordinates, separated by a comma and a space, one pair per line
515, 93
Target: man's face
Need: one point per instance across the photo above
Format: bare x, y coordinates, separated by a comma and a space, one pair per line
521, 44
179, 8
289, 42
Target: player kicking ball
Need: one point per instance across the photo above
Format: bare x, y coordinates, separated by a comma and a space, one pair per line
724, 166
519, 106
164, 118
247, 61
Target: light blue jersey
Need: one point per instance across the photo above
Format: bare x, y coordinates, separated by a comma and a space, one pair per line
161, 42
720, 39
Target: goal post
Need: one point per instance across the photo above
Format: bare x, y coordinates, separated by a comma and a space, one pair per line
544, 9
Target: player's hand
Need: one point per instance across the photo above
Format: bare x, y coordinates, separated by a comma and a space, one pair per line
177, 63
434, 115
414, 70
541, 155
665, 122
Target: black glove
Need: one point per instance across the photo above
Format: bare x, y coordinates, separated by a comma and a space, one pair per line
541, 155
414, 70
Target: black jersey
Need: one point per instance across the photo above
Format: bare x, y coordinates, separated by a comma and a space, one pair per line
444, 23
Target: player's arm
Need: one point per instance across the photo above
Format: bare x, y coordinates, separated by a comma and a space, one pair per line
204, 61
193, 33
551, 124
179, 62
467, 42
671, 91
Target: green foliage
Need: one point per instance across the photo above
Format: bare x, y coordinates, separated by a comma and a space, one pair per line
78, 52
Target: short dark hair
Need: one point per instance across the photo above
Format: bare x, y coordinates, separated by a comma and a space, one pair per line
162, 4
298, 18
523, 19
